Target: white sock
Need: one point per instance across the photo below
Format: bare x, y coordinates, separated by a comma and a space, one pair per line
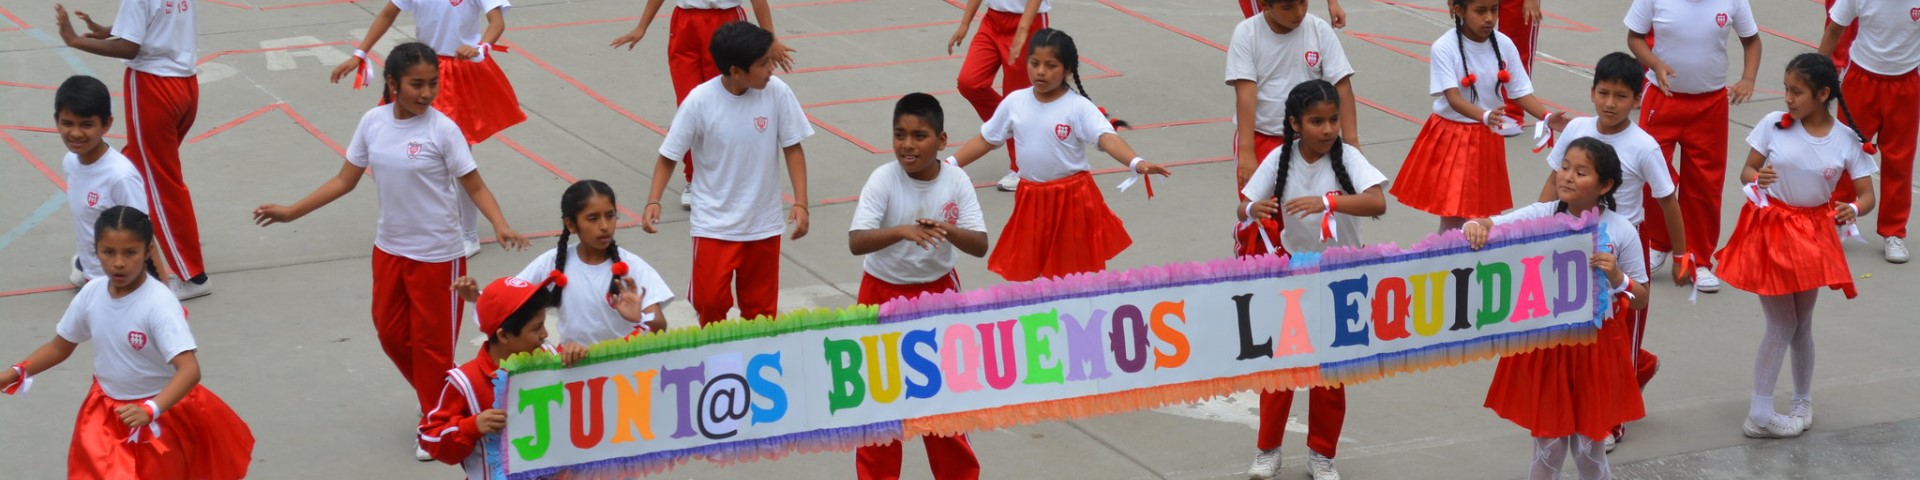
1782, 316
1548, 453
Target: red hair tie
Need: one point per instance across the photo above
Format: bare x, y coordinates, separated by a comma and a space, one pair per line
1786, 121
1504, 77
1468, 80
557, 279
1869, 148
619, 269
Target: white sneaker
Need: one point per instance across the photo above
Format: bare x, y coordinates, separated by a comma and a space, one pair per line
185, 290
1010, 182
1265, 465
1611, 442
76, 276
1321, 467
686, 197
1781, 426
1896, 250
421, 453
1657, 259
1803, 411
1703, 280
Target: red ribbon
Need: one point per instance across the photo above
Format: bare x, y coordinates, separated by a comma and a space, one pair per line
19, 386
1149, 179
1326, 220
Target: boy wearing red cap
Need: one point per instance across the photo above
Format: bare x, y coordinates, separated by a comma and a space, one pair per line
514, 315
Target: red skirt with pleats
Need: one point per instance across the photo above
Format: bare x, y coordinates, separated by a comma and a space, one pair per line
1058, 227
1784, 249
1569, 389
1455, 170
200, 439
477, 97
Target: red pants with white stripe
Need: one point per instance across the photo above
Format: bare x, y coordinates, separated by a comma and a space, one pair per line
417, 315
722, 269
1326, 413
987, 54
1695, 124
951, 458
1513, 23
1249, 8
160, 110
1645, 363
1887, 110
689, 63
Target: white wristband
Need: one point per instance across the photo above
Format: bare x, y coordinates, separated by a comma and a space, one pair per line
1483, 116
1856, 209
1249, 209
155, 407
1134, 165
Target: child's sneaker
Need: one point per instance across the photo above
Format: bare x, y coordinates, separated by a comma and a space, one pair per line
1265, 465
1010, 182
1896, 251
421, 453
1803, 411
1657, 259
1321, 467
1779, 426
1704, 281
185, 290
77, 276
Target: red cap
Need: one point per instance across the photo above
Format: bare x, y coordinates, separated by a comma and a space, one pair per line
501, 298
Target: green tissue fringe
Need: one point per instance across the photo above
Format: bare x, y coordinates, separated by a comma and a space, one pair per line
694, 337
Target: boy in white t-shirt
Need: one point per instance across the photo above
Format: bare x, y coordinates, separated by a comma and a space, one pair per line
1882, 85
737, 126
98, 178
914, 212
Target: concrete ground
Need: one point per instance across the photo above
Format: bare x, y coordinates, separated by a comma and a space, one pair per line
286, 339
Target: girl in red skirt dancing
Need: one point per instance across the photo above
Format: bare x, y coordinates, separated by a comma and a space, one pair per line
1570, 396
147, 415
1060, 224
1784, 247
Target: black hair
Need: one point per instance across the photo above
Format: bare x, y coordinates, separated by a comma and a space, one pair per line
1303, 96
541, 300
739, 44
84, 97
1621, 68
1460, 41
1063, 49
924, 106
128, 219
1606, 165
403, 58
571, 203
1818, 71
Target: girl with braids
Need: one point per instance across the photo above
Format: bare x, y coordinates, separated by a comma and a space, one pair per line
1784, 247
146, 415
1060, 223
1457, 168
614, 293
1570, 396
1885, 87
1312, 176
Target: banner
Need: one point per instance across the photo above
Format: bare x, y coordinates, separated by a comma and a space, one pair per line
1051, 349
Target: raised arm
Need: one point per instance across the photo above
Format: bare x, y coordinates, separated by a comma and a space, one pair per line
381, 22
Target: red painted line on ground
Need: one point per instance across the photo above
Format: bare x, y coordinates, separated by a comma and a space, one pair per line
230, 4
537, 159
870, 99
1572, 25
205, 59
1556, 106
856, 66
1104, 171
1566, 63
591, 93
308, 4
574, 24
24, 128
844, 135
1170, 28
1780, 34
31, 291
1389, 111
20, 24
1180, 123
52, 176
1375, 39
235, 122
302, 121
871, 30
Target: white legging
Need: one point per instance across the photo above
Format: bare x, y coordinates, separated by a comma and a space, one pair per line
1588, 455
1789, 326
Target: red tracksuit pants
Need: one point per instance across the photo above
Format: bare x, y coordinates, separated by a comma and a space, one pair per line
722, 269
417, 315
1846, 38
160, 110
1886, 109
1692, 127
988, 54
1326, 413
689, 63
1513, 23
951, 458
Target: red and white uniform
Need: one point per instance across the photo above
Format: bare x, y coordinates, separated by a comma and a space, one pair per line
162, 98
689, 61
738, 214
1882, 89
1457, 166
889, 199
416, 165
1791, 246
987, 54
586, 317
108, 182
1060, 222
1691, 37
448, 431
474, 93
1526, 36
135, 339
1276, 63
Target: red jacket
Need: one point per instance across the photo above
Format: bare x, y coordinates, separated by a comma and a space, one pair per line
449, 432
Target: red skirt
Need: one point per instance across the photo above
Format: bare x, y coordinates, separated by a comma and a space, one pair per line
1784, 249
477, 96
1058, 227
1455, 170
200, 439
1569, 389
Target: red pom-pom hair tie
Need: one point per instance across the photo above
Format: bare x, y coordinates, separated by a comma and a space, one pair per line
1869, 148
556, 278
1504, 77
1785, 121
1468, 80
619, 269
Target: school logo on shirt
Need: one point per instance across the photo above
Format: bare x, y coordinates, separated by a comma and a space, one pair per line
136, 340
1915, 13
760, 123
1062, 131
93, 198
456, 2
1720, 20
950, 212
1830, 172
413, 149
175, 6
1313, 59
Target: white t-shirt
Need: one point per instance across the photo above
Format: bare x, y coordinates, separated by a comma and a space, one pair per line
417, 164
1642, 165
447, 25
1278, 62
1444, 72
585, 316
1691, 36
1808, 167
138, 334
1018, 7
1312, 180
109, 182
1053, 136
708, 4
166, 31
737, 143
1887, 37
891, 198
1622, 235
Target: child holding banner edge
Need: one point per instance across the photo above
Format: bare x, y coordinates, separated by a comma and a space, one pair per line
513, 313
1569, 397
913, 214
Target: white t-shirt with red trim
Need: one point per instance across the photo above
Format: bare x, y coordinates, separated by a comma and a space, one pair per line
447, 25
135, 336
167, 31
1277, 63
416, 165
1691, 37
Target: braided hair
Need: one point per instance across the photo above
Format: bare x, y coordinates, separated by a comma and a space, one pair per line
131, 220
1063, 49
1468, 81
1606, 166
401, 59
1818, 71
571, 203
1303, 96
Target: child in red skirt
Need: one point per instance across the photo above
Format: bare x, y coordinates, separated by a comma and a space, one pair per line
1060, 223
146, 415
1336, 16
1885, 87
914, 213
424, 170
1570, 396
1318, 176
1785, 248
474, 93
1004, 31
1457, 168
